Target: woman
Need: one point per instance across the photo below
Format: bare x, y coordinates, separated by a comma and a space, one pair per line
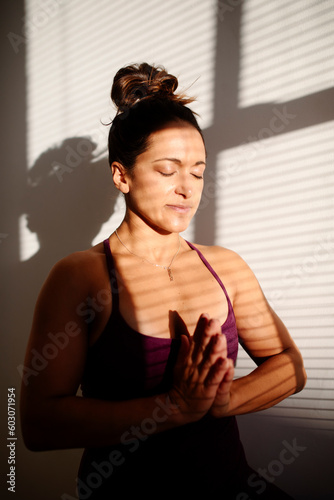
132, 320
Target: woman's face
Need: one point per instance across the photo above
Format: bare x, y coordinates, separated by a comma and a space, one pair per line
166, 183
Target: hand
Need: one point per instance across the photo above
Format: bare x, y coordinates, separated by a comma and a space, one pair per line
199, 370
221, 403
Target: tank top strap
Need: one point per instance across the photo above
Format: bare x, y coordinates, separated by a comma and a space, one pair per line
112, 275
213, 272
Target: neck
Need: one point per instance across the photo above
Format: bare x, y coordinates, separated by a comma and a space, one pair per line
146, 242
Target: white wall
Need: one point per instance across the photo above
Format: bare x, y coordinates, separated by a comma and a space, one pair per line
264, 74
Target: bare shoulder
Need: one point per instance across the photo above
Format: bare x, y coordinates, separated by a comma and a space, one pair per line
224, 258
80, 271
229, 265
218, 252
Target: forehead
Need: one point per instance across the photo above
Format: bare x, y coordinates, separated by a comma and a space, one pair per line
180, 138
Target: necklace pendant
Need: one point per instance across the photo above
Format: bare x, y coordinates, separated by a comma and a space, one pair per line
170, 274
168, 268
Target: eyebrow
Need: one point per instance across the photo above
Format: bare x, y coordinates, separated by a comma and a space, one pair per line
176, 160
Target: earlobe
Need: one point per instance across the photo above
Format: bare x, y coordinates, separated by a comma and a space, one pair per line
120, 177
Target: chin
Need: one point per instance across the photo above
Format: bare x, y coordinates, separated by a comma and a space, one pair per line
179, 226
170, 224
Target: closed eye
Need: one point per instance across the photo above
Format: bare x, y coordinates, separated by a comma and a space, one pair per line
172, 173
198, 176
166, 175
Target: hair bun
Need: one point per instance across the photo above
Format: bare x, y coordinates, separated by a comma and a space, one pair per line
136, 82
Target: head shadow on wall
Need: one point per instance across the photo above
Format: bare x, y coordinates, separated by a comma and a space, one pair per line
69, 195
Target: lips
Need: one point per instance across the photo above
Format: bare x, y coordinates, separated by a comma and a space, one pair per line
183, 209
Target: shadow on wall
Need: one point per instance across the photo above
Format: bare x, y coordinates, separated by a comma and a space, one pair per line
69, 194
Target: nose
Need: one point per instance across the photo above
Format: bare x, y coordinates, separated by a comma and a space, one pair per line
184, 187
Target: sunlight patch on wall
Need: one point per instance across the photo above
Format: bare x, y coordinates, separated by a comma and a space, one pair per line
286, 50
73, 55
276, 209
31, 244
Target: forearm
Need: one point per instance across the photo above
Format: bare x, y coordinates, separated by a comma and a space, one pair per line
77, 422
53, 417
275, 379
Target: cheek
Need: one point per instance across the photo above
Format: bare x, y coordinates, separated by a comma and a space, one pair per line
148, 194
199, 189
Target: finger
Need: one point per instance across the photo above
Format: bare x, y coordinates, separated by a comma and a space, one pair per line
216, 374
183, 351
200, 339
201, 323
215, 361
219, 346
182, 359
204, 333
225, 384
184, 347
216, 348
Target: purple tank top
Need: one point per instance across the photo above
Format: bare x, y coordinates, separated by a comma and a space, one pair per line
125, 364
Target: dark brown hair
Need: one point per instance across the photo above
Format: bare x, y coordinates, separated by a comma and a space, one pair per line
146, 102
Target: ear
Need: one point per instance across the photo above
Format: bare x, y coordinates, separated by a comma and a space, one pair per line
120, 177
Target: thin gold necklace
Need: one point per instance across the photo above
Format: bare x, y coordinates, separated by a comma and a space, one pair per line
167, 268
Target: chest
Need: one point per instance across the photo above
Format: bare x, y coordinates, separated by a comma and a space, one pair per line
153, 304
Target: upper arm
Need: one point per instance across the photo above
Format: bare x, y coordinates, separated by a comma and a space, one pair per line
57, 346
261, 332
